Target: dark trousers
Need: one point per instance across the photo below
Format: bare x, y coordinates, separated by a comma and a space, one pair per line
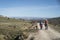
41, 26
46, 26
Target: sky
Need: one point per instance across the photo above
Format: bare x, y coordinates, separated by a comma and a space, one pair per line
30, 8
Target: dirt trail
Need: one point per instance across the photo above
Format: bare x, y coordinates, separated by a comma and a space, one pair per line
43, 34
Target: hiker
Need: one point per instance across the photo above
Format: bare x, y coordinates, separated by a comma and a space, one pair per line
46, 24
41, 25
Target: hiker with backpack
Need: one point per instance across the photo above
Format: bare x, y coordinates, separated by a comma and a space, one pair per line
41, 24
46, 24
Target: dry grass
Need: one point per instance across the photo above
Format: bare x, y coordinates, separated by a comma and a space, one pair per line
10, 28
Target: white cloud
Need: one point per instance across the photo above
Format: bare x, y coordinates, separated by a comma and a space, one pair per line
30, 8
21, 10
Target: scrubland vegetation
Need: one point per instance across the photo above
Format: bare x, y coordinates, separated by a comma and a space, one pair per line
55, 22
10, 28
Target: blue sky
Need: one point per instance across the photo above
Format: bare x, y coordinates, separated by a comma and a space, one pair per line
30, 8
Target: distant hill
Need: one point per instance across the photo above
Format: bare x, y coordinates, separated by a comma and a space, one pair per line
54, 21
8, 19
30, 18
23, 18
